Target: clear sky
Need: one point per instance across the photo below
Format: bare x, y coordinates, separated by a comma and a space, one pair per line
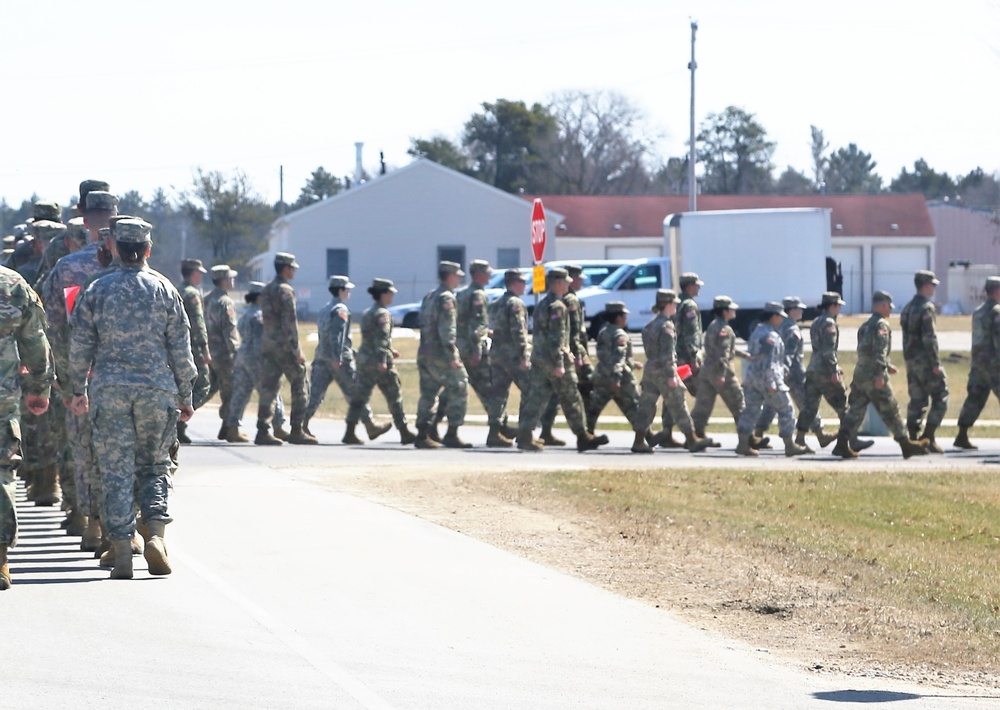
141, 94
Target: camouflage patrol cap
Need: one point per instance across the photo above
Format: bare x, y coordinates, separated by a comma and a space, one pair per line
104, 232
992, 283
831, 298
9, 241
558, 274
193, 265
450, 267
924, 277
284, 258
789, 302
222, 271
20, 230
724, 302
47, 229
47, 209
512, 275
118, 218
381, 286
89, 186
99, 200
256, 287
614, 308
690, 279
6, 254
339, 282
663, 297
774, 308
77, 231
882, 297
574, 270
133, 231
480, 266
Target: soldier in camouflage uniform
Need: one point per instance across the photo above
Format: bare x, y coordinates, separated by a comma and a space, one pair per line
22, 345
791, 334
984, 375
281, 354
55, 244
552, 370
334, 360
246, 369
439, 361
192, 272
690, 344
376, 357
614, 377
223, 341
578, 346
718, 375
69, 273
925, 378
510, 352
131, 367
659, 376
871, 383
765, 384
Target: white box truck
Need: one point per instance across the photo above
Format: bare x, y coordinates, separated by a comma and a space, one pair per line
753, 256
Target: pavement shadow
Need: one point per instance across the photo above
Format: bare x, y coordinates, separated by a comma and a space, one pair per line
887, 696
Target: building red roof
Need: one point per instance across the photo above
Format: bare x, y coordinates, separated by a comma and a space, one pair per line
642, 215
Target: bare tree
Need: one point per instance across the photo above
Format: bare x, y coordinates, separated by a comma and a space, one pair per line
228, 214
820, 161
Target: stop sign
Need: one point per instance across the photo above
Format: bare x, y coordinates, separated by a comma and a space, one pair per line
538, 230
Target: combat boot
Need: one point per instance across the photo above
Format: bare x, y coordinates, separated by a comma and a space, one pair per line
913, 430
549, 439
406, 437
350, 437
527, 442
47, 490
759, 441
235, 436
4, 569
824, 439
432, 432
665, 439
861, 444
282, 434
794, 449
223, 432
507, 430
305, 426
800, 440
587, 441
696, 444
123, 559
30, 479
702, 435
909, 447
452, 440
182, 433
374, 430
264, 437
156, 550
297, 436
77, 524
424, 440
932, 445
962, 440
495, 439
639, 446
744, 448
90, 541
843, 449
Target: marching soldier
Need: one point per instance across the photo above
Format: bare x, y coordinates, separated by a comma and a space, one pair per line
223, 342
689, 348
925, 378
192, 271
718, 375
984, 375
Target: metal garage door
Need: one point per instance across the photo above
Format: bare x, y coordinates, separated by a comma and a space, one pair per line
851, 265
632, 252
893, 269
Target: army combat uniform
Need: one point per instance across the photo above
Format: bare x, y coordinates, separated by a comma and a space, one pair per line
925, 378
194, 307
223, 340
824, 377
984, 375
717, 376
438, 359
510, 353
614, 377
578, 347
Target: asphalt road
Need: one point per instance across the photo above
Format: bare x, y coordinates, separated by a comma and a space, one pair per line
288, 593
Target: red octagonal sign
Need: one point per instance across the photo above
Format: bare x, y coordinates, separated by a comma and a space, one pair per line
538, 231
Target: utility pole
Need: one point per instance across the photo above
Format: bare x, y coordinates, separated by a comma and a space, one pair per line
692, 185
281, 189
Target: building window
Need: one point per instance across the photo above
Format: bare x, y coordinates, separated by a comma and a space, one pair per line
452, 253
337, 263
508, 258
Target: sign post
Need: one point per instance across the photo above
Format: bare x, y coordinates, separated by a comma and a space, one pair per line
538, 246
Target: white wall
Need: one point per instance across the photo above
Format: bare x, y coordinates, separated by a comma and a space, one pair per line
851, 263
609, 247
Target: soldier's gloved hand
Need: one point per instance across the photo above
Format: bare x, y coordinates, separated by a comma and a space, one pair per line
187, 411
36, 404
879, 382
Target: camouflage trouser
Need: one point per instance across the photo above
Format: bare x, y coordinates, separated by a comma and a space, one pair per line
691, 385
708, 388
222, 382
626, 396
545, 385
584, 383
245, 381
134, 428
863, 393
981, 383
56, 437
504, 372
654, 386
821, 385
272, 367
480, 379
370, 377
84, 464
437, 375
10, 458
797, 391
779, 400
346, 378
202, 391
38, 444
923, 386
